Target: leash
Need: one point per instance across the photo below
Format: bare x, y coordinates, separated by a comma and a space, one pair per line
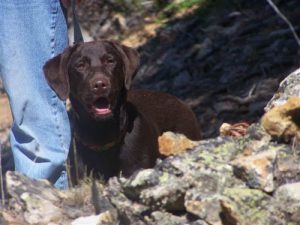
77, 31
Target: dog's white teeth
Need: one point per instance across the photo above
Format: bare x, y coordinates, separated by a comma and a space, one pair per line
101, 106
102, 111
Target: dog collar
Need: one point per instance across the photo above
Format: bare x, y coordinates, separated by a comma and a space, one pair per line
96, 148
104, 147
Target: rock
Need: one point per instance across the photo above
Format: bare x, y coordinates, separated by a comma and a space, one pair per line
287, 166
182, 79
282, 122
287, 202
37, 197
204, 49
32, 198
36, 206
168, 195
206, 185
203, 205
164, 218
256, 170
128, 211
174, 144
289, 87
231, 17
104, 218
138, 182
245, 206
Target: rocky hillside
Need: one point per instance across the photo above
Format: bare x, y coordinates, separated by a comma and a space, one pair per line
252, 179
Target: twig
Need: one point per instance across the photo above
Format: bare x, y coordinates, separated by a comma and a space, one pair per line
251, 90
275, 8
76, 160
68, 170
240, 100
2, 194
294, 145
95, 197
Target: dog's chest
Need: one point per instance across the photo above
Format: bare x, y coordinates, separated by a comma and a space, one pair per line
102, 161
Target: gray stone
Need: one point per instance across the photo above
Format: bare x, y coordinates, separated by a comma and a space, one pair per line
287, 201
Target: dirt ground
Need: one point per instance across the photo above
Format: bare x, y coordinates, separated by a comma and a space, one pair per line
5, 119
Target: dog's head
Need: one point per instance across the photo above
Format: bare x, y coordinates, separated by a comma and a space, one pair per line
95, 74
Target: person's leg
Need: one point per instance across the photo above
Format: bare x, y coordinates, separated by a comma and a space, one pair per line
31, 33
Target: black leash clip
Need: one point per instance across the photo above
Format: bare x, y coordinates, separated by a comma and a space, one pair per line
77, 31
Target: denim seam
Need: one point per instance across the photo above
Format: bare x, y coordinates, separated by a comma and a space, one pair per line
54, 11
55, 7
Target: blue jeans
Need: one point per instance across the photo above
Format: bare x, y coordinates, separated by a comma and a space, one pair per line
31, 32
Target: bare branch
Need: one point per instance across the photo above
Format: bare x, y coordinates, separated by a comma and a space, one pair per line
275, 8
2, 193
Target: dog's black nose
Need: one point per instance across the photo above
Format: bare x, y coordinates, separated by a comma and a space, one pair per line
100, 85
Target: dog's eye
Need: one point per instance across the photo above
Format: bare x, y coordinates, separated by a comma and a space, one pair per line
80, 65
110, 60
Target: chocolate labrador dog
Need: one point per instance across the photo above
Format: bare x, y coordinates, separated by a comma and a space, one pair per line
116, 129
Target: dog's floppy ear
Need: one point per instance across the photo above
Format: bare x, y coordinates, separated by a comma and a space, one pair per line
131, 61
56, 73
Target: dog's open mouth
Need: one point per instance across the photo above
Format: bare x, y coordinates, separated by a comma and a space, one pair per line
101, 106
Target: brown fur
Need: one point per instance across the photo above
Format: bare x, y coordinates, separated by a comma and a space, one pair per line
96, 76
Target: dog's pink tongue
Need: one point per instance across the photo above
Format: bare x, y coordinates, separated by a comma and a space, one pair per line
102, 111
102, 106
